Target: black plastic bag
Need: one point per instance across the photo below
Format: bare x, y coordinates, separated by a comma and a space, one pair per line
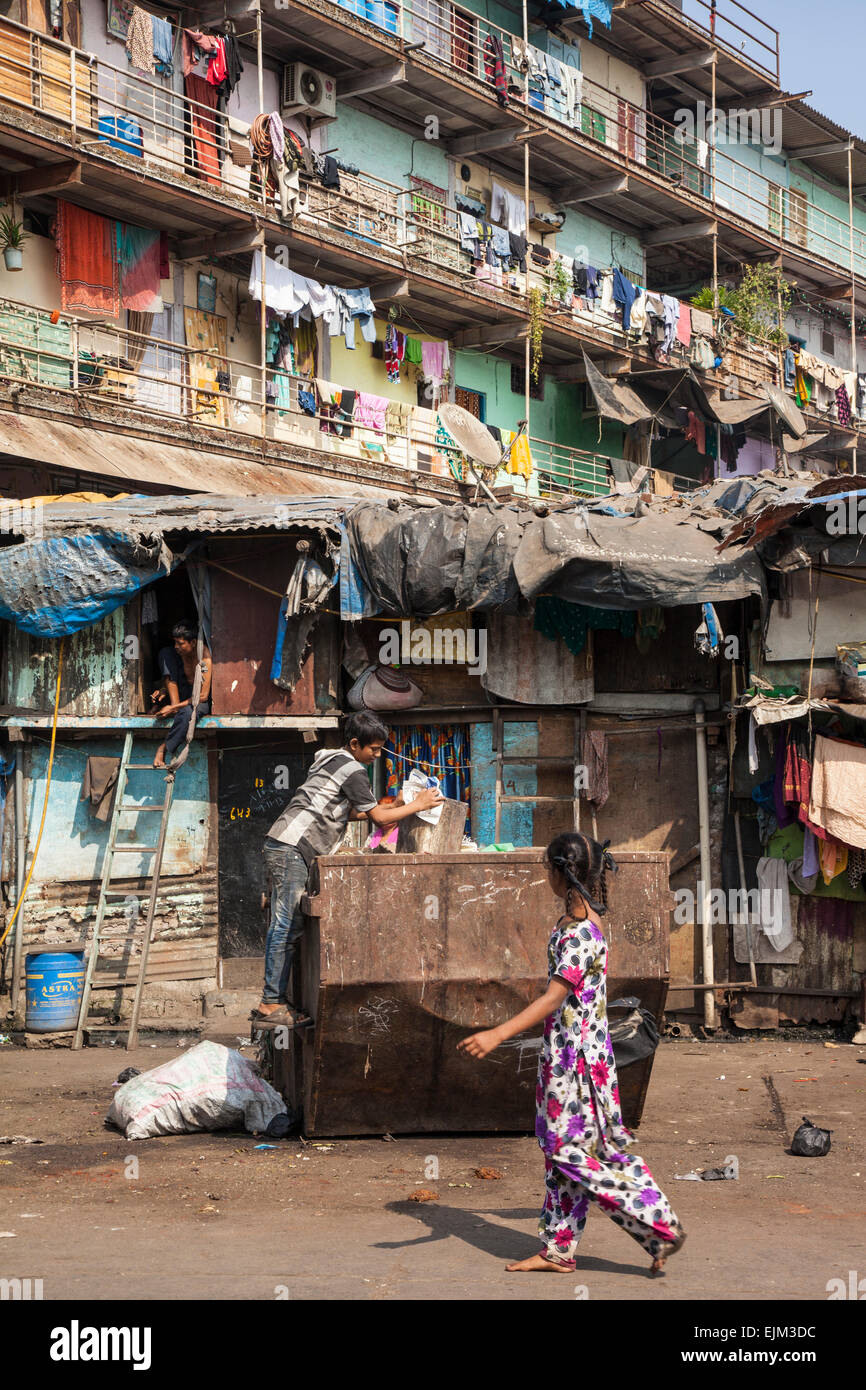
281, 1125
127, 1074
635, 1036
810, 1141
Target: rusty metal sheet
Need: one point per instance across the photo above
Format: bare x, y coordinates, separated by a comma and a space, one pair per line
407, 954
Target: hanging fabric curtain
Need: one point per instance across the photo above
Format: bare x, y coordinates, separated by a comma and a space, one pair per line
138, 254
206, 334
137, 323
87, 261
441, 752
204, 126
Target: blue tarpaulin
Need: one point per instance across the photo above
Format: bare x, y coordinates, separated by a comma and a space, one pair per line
58, 584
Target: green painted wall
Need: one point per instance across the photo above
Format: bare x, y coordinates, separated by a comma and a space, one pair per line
558, 418
603, 245
381, 150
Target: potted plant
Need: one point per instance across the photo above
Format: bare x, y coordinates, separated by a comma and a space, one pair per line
12, 239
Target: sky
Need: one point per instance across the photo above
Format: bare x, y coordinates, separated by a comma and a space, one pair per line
822, 52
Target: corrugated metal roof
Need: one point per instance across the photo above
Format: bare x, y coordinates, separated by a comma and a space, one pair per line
134, 460
208, 512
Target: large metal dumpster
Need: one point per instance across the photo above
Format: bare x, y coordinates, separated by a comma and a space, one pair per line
406, 954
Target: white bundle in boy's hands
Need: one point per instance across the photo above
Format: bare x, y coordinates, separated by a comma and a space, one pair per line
418, 782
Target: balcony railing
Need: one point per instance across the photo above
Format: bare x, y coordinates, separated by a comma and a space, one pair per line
460, 40
146, 123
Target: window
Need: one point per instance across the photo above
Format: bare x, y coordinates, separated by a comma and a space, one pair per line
473, 401
828, 342
518, 382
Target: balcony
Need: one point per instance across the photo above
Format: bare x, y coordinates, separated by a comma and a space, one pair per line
127, 139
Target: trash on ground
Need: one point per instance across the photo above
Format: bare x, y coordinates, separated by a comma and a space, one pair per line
127, 1074
19, 1139
730, 1171
810, 1141
209, 1087
388, 1139
488, 1173
7, 1235
423, 1194
281, 1125
265, 1146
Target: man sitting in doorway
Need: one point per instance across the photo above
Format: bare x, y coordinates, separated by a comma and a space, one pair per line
336, 791
177, 665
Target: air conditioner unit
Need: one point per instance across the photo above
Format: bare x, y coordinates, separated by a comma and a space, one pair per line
307, 92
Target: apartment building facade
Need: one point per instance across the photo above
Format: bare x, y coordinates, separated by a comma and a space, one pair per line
582, 122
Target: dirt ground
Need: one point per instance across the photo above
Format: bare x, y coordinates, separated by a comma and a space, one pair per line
210, 1216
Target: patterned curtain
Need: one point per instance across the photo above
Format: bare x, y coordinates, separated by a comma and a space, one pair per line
441, 751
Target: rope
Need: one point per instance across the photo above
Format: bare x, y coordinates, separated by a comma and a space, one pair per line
45, 802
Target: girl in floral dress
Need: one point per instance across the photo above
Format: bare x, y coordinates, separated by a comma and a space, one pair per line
579, 1122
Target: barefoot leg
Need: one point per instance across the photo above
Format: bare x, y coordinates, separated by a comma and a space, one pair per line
159, 760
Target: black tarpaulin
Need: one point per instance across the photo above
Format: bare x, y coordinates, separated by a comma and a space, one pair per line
457, 557
614, 399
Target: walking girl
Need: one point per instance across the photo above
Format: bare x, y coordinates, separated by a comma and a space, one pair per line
578, 1118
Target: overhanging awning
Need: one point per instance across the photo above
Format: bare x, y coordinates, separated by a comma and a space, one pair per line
132, 460
655, 393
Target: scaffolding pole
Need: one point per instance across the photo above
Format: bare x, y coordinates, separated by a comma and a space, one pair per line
853, 284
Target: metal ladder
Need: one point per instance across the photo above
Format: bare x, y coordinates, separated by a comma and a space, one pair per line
501, 757
106, 892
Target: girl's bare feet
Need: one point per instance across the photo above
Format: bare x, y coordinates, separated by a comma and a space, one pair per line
537, 1262
159, 760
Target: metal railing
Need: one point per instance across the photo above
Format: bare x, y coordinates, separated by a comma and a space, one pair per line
726, 21
461, 41
139, 119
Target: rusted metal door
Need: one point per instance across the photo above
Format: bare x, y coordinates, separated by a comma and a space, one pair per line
406, 954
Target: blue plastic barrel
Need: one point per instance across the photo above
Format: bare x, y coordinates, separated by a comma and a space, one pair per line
54, 981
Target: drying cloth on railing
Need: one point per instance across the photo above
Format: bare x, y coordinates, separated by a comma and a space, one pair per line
139, 41
370, 411
684, 326
87, 261
507, 209
163, 45
414, 350
138, 258
624, 293
204, 126
520, 458
206, 333
702, 322
838, 792
494, 67
306, 343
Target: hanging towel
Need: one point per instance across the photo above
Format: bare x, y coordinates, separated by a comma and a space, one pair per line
594, 755
624, 294
100, 785
87, 261
370, 411
684, 326
414, 351
520, 458
774, 912
838, 793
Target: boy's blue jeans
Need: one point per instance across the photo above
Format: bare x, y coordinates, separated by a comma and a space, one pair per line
288, 872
